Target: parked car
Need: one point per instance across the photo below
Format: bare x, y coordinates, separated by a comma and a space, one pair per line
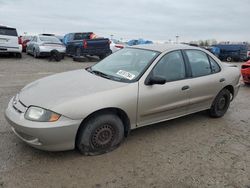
9, 42
93, 109
233, 52
116, 45
138, 42
81, 44
42, 45
24, 44
25, 39
245, 71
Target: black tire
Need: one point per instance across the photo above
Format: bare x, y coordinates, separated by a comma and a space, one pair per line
101, 134
55, 55
19, 55
35, 53
78, 52
221, 104
80, 59
102, 56
229, 59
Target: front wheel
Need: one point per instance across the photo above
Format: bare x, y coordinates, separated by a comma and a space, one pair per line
19, 55
35, 53
221, 104
101, 134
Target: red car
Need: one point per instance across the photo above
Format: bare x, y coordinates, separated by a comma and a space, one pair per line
245, 71
24, 44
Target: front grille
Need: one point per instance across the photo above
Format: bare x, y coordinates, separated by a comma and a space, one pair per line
24, 136
18, 105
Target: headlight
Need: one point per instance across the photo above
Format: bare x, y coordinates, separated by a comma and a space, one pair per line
39, 114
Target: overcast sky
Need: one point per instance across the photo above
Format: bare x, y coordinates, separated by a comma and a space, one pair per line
224, 20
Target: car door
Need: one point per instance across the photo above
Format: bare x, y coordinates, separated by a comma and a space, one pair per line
31, 45
161, 102
206, 80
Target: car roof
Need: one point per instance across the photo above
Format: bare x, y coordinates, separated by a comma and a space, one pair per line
6, 27
164, 47
47, 36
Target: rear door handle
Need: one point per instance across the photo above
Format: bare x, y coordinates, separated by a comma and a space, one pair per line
222, 80
185, 88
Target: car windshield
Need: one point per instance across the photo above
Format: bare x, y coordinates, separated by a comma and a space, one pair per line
49, 39
126, 65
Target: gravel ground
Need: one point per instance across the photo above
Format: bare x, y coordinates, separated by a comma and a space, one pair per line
193, 151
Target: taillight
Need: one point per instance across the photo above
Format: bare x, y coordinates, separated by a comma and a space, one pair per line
245, 66
119, 46
20, 40
85, 44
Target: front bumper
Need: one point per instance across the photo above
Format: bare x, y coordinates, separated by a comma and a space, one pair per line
50, 136
236, 89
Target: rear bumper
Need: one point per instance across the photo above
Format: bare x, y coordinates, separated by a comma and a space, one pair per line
46, 54
14, 49
45, 51
246, 75
50, 136
246, 78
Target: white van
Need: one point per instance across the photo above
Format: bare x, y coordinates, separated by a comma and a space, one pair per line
9, 42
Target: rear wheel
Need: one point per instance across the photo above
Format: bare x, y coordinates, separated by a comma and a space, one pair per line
19, 55
229, 59
221, 104
101, 134
105, 55
78, 52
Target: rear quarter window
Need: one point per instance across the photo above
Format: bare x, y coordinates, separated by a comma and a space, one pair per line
199, 62
214, 65
8, 31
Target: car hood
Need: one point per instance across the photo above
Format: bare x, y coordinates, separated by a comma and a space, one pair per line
54, 90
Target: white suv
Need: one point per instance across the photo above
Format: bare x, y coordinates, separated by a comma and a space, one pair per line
9, 42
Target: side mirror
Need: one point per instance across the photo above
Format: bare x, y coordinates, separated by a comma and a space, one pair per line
152, 80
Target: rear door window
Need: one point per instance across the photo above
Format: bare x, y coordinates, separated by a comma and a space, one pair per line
199, 63
8, 31
81, 36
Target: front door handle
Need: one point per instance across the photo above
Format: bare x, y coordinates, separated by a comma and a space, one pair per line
184, 88
222, 80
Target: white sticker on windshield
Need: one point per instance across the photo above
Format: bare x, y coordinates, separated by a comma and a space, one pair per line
126, 74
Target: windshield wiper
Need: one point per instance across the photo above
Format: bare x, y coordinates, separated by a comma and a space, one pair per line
99, 73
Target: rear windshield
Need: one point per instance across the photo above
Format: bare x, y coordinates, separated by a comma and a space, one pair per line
49, 39
8, 31
81, 36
